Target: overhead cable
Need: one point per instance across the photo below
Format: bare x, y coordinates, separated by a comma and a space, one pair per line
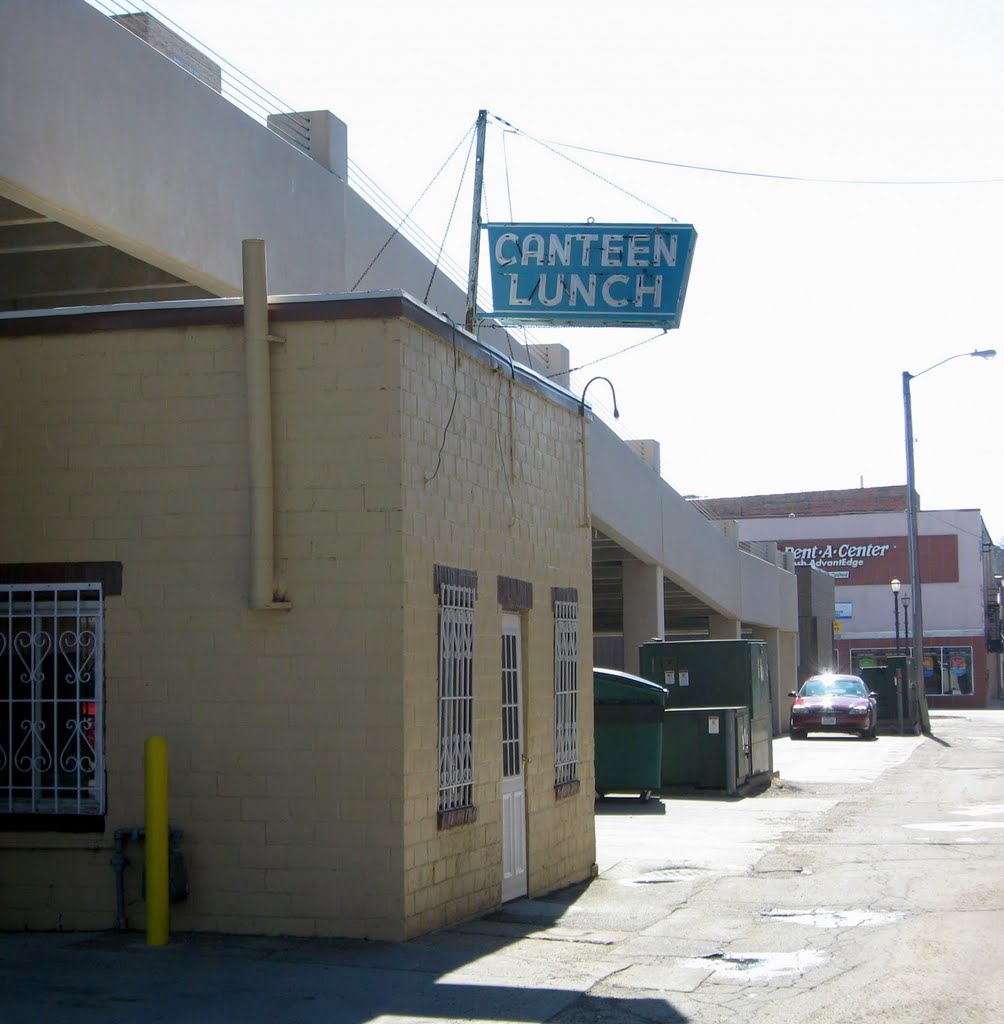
620, 351
739, 173
407, 215
582, 167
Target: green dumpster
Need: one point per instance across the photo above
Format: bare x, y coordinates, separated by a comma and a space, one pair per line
717, 673
889, 677
708, 748
628, 723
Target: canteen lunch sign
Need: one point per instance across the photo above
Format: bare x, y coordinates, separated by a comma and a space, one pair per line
600, 275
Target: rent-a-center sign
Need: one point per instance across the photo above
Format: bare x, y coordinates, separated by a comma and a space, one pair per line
877, 560
603, 275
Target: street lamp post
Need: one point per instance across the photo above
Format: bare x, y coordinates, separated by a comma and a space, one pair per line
1000, 657
895, 585
911, 527
904, 687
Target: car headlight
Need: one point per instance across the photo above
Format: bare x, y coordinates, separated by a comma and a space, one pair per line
858, 711
801, 711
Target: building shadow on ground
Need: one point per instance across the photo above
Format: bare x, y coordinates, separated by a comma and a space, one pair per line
461, 974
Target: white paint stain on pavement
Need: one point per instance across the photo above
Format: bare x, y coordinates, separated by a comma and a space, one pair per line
957, 826
973, 811
981, 809
836, 918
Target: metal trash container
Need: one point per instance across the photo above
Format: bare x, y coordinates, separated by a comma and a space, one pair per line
628, 728
889, 677
708, 748
717, 673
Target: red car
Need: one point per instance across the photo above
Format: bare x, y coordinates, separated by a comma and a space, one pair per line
834, 703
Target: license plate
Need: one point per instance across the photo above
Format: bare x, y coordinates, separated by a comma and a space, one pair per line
829, 719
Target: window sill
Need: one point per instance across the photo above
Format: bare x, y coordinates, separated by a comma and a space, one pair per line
455, 818
52, 823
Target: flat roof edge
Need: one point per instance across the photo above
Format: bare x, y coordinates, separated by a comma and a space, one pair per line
229, 312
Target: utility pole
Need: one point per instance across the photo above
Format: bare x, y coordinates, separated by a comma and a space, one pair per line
912, 542
479, 178
917, 661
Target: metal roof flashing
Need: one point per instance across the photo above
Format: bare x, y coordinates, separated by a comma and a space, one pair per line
281, 309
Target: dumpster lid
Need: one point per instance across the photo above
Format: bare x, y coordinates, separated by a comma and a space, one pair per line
611, 686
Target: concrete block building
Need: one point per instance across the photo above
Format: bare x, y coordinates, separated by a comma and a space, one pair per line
393, 740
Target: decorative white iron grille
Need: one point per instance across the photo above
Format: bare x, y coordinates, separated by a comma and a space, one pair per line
456, 696
512, 753
566, 691
51, 699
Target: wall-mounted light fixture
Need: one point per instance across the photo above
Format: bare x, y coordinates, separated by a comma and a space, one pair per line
586, 513
582, 400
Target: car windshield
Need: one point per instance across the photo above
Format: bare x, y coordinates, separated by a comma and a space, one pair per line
836, 687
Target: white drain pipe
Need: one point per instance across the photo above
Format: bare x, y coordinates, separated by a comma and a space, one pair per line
258, 381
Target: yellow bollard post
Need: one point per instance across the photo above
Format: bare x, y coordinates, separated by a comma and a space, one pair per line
155, 840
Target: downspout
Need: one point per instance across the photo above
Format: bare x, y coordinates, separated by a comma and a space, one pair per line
584, 441
258, 381
511, 471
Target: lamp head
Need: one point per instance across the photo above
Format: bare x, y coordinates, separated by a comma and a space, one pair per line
582, 399
981, 353
895, 585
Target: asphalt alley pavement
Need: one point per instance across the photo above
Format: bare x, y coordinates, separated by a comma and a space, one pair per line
863, 885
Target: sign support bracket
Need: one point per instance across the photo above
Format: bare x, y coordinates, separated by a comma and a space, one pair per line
479, 179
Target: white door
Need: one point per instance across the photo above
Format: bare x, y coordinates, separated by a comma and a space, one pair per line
513, 781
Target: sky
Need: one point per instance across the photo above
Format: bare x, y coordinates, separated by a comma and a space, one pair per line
809, 295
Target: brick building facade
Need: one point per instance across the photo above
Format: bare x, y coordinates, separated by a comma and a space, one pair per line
858, 537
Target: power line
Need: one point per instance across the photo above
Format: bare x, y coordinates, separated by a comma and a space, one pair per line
407, 215
738, 173
610, 355
449, 222
582, 167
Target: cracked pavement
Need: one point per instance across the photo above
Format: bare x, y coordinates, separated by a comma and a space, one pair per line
864, 885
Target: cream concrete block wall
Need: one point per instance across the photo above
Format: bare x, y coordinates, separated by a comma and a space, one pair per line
302, 743
492, 483
284, 728
338, 478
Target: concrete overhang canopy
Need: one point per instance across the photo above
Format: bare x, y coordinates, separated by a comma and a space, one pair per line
685, 612
46, 264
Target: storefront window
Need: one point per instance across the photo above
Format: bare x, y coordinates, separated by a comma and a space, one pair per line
948, 671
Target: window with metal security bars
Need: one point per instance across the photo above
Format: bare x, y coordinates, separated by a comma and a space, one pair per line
51, 699
566, 692
456, 697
